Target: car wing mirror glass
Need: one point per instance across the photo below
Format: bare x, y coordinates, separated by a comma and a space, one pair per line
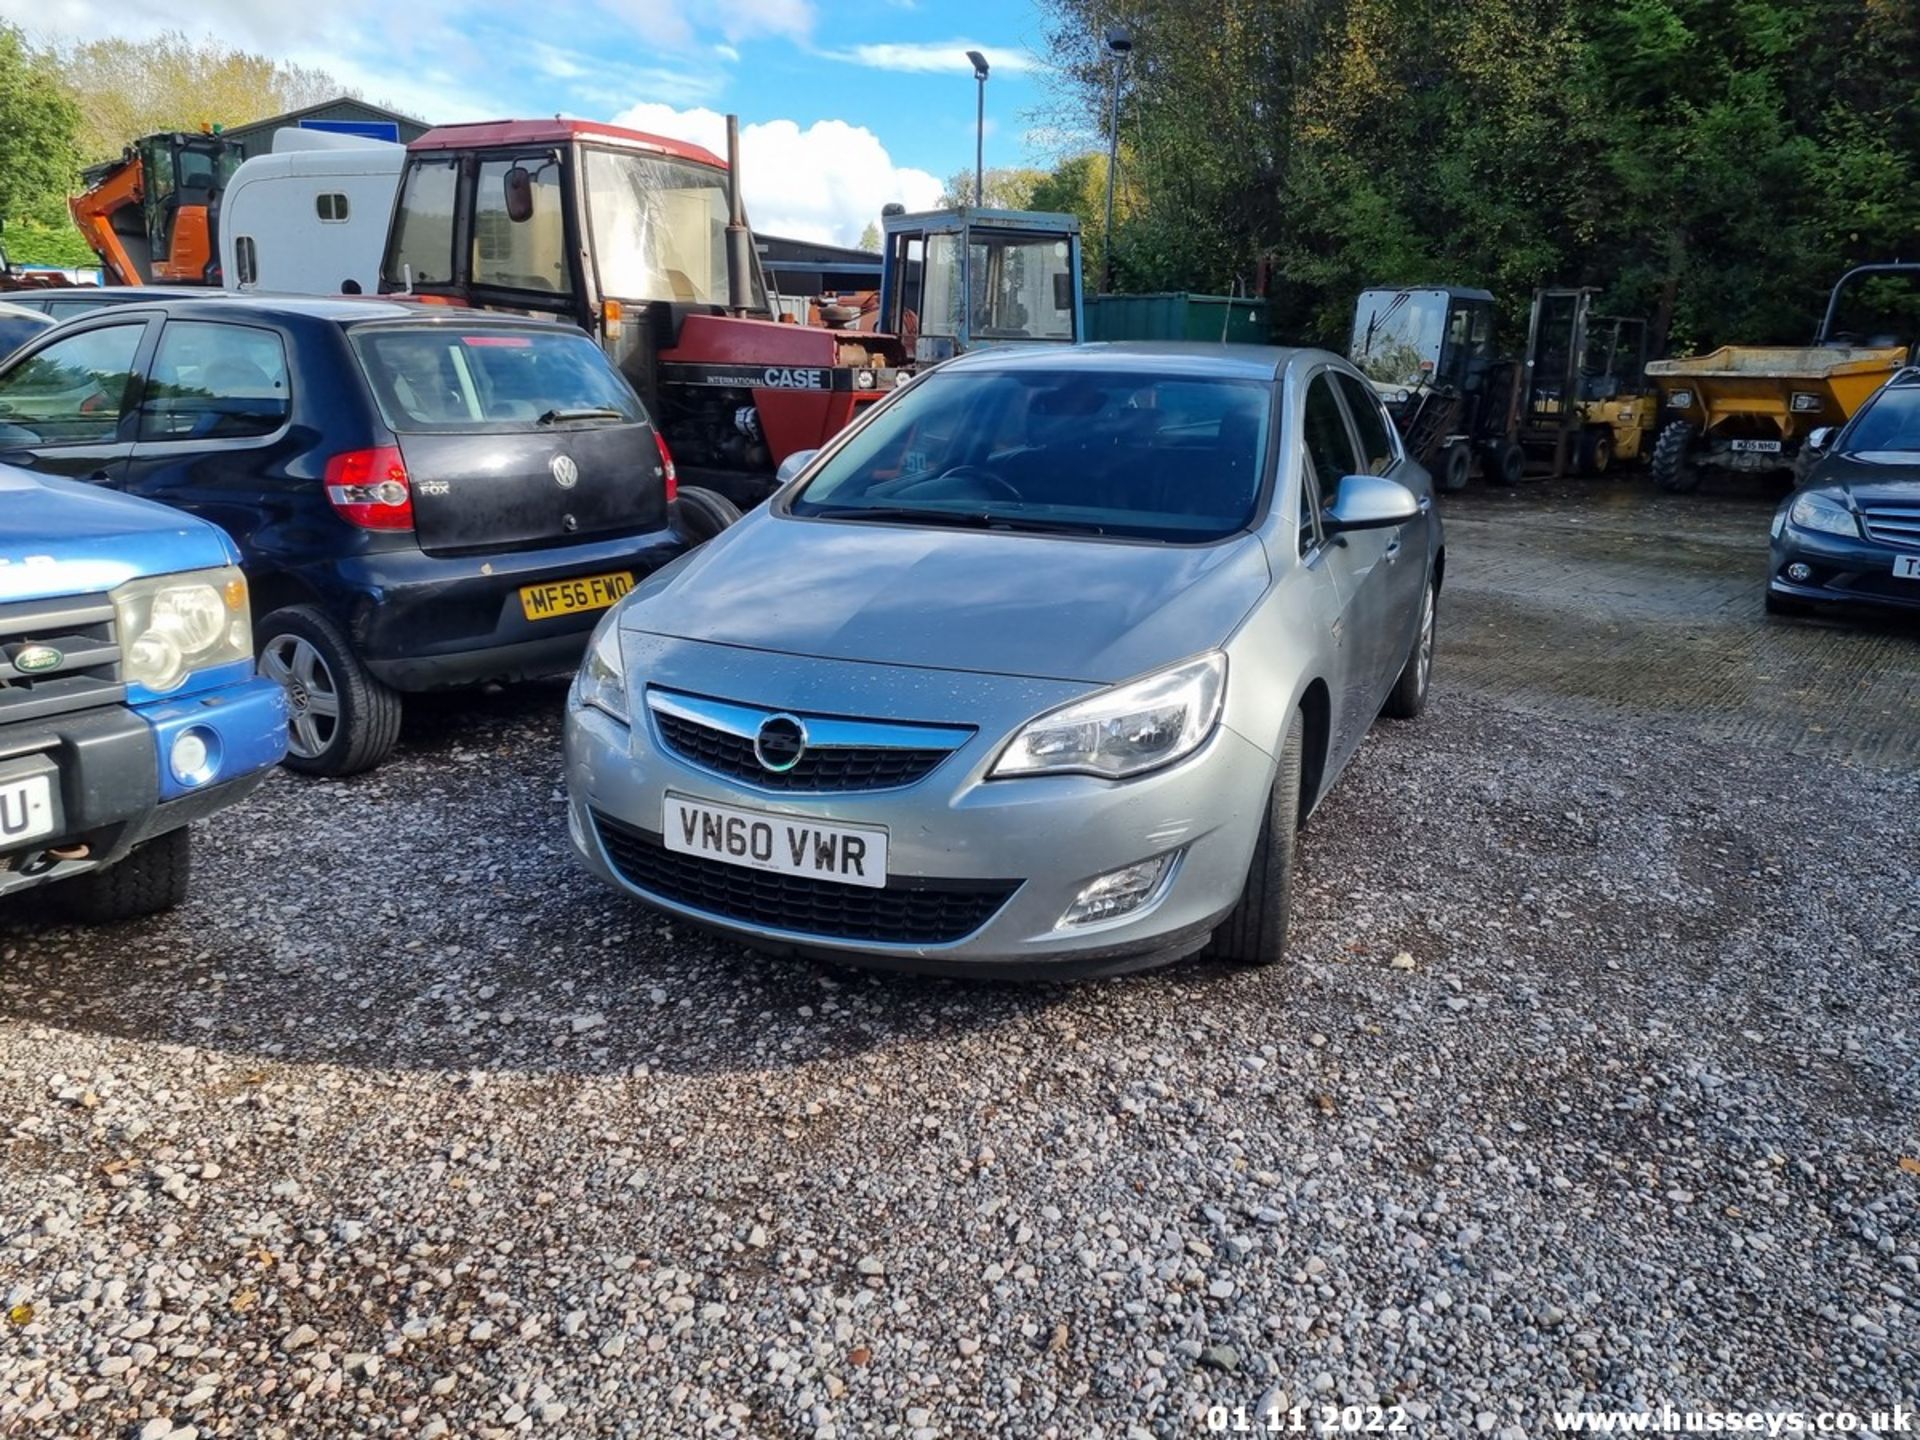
1370, 502
793, 465
1820, 439
518, 185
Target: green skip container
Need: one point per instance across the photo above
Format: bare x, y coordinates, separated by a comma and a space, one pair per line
1178, 316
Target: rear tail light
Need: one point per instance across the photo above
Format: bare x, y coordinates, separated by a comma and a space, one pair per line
369, 488
666, 464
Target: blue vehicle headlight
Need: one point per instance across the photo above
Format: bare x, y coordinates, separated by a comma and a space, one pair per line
602, 679
173, 625
1135, 727
1829, 517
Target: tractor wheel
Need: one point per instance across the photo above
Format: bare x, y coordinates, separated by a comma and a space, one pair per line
699, 515
1505, 462
1455, 466
1596, 450
1674, 468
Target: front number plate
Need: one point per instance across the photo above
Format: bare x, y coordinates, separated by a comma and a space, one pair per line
783, 844
570, 597
26, 810
1906, 567
1756, 447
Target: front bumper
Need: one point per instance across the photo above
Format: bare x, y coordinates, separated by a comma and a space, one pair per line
1846, 570
112, 785
1036, 841
428, 622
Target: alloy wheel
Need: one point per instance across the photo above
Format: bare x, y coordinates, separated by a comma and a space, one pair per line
313, 699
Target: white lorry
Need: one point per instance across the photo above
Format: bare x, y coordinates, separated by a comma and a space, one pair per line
311, 218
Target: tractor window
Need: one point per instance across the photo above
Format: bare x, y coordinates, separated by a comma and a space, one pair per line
1370, 421
423, 225
529, 254
660, 229
72, 392
215, 382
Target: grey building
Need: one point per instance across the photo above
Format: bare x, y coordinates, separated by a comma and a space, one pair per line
345, 115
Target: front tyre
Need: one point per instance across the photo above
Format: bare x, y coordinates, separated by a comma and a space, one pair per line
1596, 451
1673, 465
341, 720
1255, 931
1409, 694
151, 877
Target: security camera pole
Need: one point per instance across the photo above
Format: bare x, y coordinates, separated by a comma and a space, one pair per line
1119, 46
980, 129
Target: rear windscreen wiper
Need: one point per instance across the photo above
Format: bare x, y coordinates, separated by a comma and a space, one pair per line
553, 417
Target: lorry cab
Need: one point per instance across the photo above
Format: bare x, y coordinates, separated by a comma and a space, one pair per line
951, 280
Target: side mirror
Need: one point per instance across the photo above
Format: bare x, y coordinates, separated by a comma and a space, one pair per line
518, 188
1370, 502
793, 465
1820, 439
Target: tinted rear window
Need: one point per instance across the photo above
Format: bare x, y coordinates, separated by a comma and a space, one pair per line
1079, 451
480, 378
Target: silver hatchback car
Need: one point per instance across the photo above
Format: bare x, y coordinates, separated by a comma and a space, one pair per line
1037, 668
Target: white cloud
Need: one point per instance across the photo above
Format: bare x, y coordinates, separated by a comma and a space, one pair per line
931, 56
726, 52
824, 183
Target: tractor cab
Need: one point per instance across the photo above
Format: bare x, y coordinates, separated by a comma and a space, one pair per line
642, 241
952, 280
1429, 354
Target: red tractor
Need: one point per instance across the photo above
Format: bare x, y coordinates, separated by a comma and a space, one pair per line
641, 241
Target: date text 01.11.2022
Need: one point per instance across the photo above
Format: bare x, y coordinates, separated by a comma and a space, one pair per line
1308, 1420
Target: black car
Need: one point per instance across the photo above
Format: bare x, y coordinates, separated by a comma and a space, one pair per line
424, 497
19, 324
1852, 533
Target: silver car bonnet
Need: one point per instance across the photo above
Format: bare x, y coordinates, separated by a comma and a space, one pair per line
982, 601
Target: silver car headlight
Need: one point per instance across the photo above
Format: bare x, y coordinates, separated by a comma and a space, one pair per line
602, 680
173, 625
1135, 727
1815, 512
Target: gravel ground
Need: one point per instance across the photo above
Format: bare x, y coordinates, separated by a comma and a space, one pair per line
1590, 1083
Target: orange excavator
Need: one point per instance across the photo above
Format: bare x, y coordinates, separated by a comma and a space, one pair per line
152, 215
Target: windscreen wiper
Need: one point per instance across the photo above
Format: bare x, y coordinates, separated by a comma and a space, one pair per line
960, 519
553, 417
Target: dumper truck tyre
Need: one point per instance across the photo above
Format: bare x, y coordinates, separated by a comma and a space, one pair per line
1674, 468
343, 720
700, 514
150, 878
1455, 466
1596, 450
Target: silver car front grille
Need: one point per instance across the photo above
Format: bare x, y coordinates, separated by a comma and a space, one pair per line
798, 753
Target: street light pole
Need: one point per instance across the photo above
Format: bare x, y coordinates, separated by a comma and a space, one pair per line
979, 129
1119, 46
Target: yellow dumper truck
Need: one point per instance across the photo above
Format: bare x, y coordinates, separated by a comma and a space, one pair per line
1750, 408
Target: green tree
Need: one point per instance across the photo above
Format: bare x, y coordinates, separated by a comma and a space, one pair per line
37, 147
870, 238
1007, 189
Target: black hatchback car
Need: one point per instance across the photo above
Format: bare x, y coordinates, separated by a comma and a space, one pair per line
1851, 534
424, 497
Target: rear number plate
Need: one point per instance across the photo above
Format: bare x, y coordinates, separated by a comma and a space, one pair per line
783, 844
570, 597
1906, 567
26, 810
1756, 447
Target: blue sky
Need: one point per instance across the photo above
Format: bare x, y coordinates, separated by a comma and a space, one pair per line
847, 103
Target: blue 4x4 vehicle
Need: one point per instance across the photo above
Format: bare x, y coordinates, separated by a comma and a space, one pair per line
128, 702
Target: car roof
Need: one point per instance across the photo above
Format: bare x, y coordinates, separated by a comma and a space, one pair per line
1194, 359
351, 310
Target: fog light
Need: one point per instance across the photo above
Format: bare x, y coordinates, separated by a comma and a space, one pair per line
1118, 892
1798, 573
195, 756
